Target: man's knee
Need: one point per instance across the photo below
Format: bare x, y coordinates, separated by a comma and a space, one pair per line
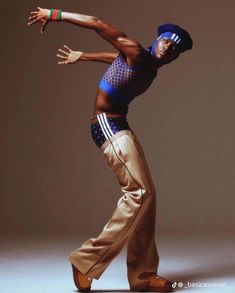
149, 192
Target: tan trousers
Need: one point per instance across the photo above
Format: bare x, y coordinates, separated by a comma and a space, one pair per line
133, 220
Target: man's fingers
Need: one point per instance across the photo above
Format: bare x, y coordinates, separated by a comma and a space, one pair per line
63, 62
33, 17
42, 28
58, 55
67, 48
34, 12
66, 53
29, 23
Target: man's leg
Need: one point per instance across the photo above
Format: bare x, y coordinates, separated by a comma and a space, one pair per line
125, 159
142, 254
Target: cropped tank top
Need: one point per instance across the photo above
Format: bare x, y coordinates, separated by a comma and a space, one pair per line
123, 82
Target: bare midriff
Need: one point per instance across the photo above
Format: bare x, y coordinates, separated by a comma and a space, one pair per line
103, 103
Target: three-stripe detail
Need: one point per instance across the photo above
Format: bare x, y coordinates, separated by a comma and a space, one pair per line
176, 38
107, 131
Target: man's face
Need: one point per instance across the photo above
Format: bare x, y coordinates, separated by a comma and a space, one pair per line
166, 50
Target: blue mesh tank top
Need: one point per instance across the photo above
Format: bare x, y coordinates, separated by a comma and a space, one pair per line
123, 82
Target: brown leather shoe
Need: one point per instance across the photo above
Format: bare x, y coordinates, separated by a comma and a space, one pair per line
81, 281
158, 284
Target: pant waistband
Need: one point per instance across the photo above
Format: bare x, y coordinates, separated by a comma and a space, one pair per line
94, 119
107, 127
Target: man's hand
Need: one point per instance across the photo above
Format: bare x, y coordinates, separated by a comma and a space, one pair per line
42, 15
70, 56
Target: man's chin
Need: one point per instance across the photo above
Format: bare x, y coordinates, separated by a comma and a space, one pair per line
161, 58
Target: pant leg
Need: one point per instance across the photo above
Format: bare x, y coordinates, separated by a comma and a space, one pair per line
142, 254
125, 159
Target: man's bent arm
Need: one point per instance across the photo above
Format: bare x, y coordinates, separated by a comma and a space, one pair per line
117, 38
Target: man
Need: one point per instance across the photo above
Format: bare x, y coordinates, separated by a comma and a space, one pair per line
131, 72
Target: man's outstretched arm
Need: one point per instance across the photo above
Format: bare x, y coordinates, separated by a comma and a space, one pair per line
129, 47
106, 57
113, 35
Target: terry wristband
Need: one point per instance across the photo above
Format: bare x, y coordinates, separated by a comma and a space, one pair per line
55, 14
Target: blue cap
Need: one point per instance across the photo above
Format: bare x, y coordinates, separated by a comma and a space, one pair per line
179, 35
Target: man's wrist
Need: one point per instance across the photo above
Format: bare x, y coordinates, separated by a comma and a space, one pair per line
55, 14
82, 56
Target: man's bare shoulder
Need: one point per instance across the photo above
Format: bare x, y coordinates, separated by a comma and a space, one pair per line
144, 58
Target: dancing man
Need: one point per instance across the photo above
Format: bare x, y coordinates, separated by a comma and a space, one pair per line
131, 71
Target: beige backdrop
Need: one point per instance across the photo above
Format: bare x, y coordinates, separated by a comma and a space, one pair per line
53, 177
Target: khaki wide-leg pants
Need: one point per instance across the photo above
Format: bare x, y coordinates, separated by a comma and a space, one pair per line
133, 220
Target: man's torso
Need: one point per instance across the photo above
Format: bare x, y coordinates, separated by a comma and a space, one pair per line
121, 82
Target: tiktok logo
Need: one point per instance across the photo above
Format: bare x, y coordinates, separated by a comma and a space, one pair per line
174, 285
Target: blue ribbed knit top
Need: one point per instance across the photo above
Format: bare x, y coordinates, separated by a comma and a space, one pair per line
123, 82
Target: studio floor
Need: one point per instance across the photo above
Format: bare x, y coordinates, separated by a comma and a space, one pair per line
39, 264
